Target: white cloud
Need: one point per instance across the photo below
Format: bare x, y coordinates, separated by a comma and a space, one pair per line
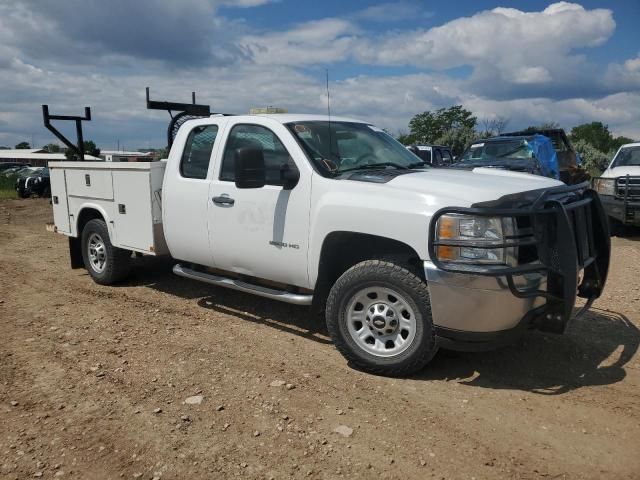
513, 43
393, 12
322, 41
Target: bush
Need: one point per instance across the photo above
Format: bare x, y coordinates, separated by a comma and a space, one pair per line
8, 186
593, 160
458, 139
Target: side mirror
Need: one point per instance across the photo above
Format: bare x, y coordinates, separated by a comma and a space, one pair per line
290, 177
249, 168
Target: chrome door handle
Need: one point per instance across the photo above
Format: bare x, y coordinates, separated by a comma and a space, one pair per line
223, 200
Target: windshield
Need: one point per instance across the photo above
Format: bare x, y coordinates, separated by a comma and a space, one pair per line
338, 147
26, 172
627, 157
492, 151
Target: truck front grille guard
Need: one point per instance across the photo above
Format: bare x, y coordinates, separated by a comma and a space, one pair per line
568, 228
628, 187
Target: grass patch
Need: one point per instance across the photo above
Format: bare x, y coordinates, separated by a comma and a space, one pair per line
7, 187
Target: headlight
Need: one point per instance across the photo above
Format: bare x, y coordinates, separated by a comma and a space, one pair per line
38, 179
605, 186
469, 239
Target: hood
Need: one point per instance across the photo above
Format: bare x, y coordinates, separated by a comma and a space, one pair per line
519, 165
448, 187
621, 172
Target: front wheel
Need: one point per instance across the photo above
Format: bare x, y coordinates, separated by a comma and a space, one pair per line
105, 263
379, 317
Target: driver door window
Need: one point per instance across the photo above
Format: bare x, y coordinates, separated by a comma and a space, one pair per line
276, 157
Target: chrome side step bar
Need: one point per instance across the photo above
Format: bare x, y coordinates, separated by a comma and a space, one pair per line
235, 284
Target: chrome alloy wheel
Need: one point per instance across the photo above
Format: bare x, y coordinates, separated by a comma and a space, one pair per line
380, 321
97, 253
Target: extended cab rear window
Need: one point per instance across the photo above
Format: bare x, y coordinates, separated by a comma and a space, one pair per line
197, 151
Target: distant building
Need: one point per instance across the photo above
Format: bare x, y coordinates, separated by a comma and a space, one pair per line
36, 157
123, 156
267, 110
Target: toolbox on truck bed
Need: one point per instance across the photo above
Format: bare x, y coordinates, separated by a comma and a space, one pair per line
128, 194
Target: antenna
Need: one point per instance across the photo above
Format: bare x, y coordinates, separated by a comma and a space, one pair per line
329, 114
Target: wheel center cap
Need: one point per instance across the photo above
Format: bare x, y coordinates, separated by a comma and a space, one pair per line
379, 322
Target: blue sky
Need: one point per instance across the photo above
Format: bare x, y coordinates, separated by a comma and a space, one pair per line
528, 61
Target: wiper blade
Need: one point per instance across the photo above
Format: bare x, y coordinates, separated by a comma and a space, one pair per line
418, 164
375, 166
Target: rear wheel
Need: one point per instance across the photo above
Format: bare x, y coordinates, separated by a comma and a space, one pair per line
105, 263
379, 317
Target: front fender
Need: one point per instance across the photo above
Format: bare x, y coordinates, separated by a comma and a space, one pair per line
400, 217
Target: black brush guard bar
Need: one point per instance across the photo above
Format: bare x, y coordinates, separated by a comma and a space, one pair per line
566, 225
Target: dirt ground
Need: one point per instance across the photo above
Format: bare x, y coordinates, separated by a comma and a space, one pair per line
93, 383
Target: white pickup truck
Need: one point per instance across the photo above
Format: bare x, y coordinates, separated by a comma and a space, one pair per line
619, 187
306, 209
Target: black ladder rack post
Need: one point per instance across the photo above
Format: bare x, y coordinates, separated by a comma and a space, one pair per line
79, 148
185, 110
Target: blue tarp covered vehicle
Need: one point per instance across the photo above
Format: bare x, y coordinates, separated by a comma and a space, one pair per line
544, 152
528, 154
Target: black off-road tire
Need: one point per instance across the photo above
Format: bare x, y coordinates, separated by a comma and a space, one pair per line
616, 227
388, 275
117, 262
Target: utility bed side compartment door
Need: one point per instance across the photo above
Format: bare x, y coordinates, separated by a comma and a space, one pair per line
90, 183
132, 216
59, 200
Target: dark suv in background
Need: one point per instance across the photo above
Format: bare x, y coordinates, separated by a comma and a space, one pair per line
433, 155
34, 182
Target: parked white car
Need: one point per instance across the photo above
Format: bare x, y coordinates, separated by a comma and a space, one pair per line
619, 186
334, 212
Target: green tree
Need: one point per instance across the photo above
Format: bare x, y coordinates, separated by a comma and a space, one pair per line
405, 138
23, 146
162, 153
89, 149
493, 127
458, 139
617, 142
428, 126
593, 160
596, 134
52, 148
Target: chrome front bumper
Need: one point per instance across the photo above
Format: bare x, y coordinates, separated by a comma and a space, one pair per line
479, 304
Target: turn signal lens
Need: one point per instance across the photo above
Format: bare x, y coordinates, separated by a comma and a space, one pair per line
447, 253
447, 227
